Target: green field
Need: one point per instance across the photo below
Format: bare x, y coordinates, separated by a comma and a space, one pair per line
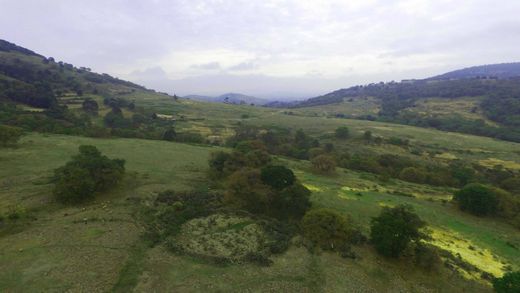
96, 246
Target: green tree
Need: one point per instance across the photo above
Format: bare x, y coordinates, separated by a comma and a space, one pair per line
169, 134
278, 177
509, 283
367, 136
477, 199
326, 228
9, 135
87, 172
90, 106
323, 163
392, 231
246, 191
342, 132
412, 174
291, 202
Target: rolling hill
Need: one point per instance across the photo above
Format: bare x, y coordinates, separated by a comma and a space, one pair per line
497, 71
134, 237
230, 98
469, 104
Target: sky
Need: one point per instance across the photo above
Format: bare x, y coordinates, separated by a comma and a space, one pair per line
277, 49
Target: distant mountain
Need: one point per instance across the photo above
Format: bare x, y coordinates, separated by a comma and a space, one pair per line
231, 98
504, 70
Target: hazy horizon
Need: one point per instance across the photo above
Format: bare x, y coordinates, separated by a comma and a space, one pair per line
269, 49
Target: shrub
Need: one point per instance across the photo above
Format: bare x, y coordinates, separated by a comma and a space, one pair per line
246, 191
291, 202
90, 106
323, 163
412, 174
511, 184
477, 199
393, 230
342, 132
278, 177
326, 229
87, 172
169, 134
9, 135
509, 283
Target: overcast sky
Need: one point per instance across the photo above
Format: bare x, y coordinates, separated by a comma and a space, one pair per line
268, 48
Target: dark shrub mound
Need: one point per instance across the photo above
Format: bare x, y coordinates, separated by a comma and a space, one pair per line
393, 230
477, 199
87, 172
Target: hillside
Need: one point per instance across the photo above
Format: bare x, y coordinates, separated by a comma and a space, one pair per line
230, 98
214, 196
498, 71
479, 106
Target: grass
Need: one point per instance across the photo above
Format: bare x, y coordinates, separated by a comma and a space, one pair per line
96, 246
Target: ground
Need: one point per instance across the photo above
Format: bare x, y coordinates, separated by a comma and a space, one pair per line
97, 246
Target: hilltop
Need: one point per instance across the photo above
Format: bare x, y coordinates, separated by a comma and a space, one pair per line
497, 71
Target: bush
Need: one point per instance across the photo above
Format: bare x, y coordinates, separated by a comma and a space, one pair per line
326, 229
324, 164
412, 174
509, 283
9, 135
246, 191
278, 177
290, 203
86, 173
477, 199
393, 230
342, 132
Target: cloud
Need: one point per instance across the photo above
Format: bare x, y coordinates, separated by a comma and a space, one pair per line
244, 66
207, 66
353, 41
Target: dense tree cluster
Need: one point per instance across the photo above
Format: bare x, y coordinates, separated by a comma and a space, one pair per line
394, 229
86, 173
509, 283
329, 230
9, 135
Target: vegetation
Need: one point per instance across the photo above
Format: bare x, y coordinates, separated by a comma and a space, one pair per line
477, 199
88, 172
394, 229
9, 135
329, 230
509, 283
342, 132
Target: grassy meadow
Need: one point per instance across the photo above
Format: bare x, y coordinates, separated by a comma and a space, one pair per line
97, 246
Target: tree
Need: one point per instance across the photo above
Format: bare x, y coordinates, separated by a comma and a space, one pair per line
393, 230
323, 163
9, 135
278, 177
87, 172
509, 283
367, 136
342, 132
477, 199
412, 174
169, 134
511, 184
246, 191
291, 202
90, 106
326, 228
